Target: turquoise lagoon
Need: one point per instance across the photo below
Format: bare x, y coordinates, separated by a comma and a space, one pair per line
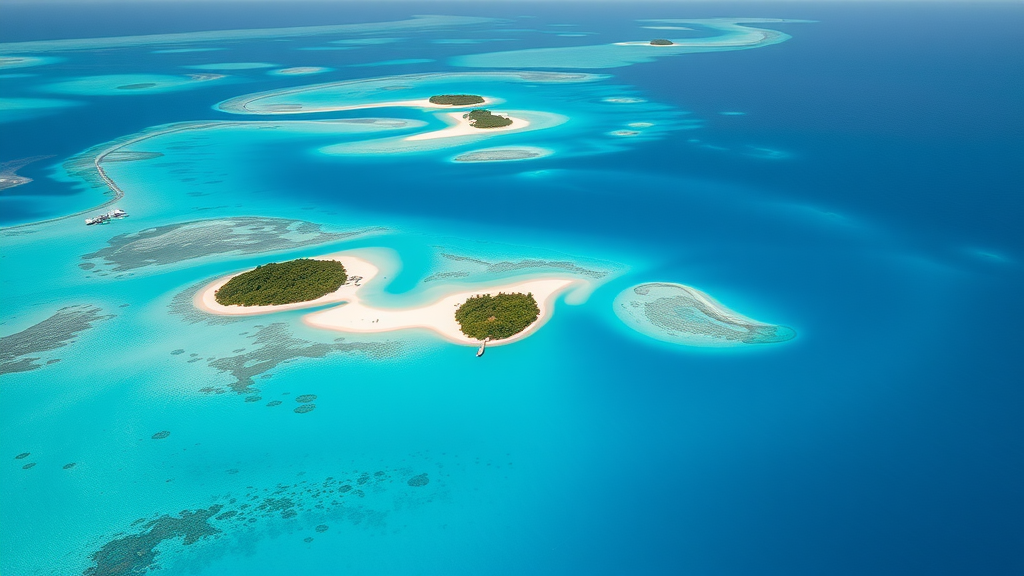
781, 359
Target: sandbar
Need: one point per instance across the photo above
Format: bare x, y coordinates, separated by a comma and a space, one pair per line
354, 316
462, 127
421, 103
439, 316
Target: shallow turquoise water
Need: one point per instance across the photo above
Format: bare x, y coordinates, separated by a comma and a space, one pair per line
884, 438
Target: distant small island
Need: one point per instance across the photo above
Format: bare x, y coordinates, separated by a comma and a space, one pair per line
481, 118
456, 99
661, 42
283, 283
497, 317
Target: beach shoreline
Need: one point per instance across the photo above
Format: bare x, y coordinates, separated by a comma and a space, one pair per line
355, 267
439, 315
459, 126
423, 103
352, 315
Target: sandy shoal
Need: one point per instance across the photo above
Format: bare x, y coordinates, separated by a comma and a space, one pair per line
461, 127
422, 103
439, 316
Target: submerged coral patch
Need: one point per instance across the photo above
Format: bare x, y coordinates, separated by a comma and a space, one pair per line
18, 351
121, 84
503, 154
175, 243
732, 34
275, 344
459, 266
167, 543
684, 315
231, 66
9, 62
136, 553
300, 71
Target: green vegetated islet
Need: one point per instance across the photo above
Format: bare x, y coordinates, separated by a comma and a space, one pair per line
283, 283
481, 118
456, 99
497, 317
661, 42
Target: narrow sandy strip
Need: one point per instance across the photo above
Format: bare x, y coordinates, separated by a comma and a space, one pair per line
424, 103
358, 270
356, 317
439, 316
462, 127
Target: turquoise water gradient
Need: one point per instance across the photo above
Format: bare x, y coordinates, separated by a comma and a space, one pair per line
849, 173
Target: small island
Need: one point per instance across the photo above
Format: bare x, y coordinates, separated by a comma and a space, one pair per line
481, 118
289, 282
497, 317
456, 99
661, 42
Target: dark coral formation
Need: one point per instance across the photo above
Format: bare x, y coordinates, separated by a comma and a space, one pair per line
135, 554
302, 504
275, 344
183, 306
503, 267
17, 351
173, 243
419, 480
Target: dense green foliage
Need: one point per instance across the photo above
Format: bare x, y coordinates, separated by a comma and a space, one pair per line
456, 99
661, 42
497, 317
481, 118
283, 283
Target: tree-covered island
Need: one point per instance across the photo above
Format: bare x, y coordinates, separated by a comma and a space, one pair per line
497, 317
481, 118
661, 42
283, 283
456, 99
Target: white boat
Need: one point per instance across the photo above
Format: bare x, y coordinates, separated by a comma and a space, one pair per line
483, 347
105, 218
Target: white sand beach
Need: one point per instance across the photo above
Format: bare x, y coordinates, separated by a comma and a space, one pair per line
439, 316
461, 127
353, 315
423, 103
358, 270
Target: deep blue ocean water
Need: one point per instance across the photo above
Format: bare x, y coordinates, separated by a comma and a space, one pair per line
868, 196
